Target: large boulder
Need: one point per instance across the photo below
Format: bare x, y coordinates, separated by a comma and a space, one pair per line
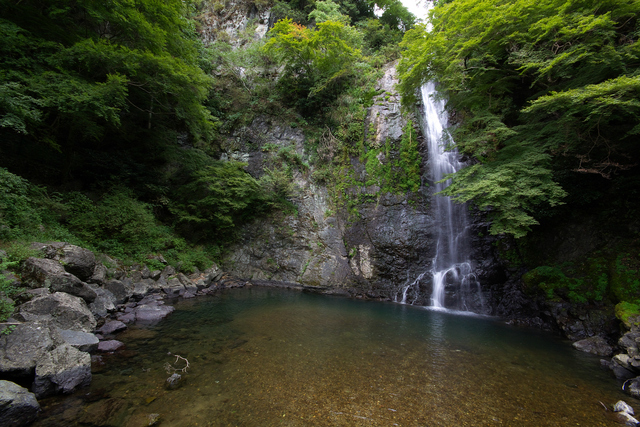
70, 284
37, 272
66, 312
18, 406
145, 286
121, 290
104, 302
21, 349
78, 261
49, 273
62, 370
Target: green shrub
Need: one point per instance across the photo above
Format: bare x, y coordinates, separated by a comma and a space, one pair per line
19, 216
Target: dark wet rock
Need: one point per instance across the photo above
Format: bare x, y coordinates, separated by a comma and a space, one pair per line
173, 382
99, 276
594, 345
18, 406
70, 284
120, 290
62, 370
629, 342
66, 311
152, 313
49, 273
78, 261
110, 346
621, 367
632, 387
126, 318
188, 294
103, 304
83, 341
106, 412
112, 327
98, 363
21, 349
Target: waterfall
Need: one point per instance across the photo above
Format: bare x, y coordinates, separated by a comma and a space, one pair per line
454, 283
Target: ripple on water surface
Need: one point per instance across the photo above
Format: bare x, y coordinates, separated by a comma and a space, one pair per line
271, 357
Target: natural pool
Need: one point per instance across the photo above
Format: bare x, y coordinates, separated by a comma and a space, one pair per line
273, 357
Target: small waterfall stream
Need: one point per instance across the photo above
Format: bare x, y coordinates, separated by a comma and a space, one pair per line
455, 285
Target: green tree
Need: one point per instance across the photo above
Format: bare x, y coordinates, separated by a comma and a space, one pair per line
537, 87
317, 62
77, 72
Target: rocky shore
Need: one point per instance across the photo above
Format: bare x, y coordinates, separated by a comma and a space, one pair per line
72, 306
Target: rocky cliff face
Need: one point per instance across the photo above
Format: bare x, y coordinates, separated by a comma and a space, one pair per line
370, 253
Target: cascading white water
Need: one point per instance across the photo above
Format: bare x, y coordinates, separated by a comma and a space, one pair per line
451, 269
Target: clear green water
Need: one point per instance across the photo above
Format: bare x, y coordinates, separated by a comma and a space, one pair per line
271, 357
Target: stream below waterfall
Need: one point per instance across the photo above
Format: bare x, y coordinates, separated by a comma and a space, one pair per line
274, 357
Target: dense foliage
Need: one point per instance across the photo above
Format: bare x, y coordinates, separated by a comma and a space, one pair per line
113, 117
539, 89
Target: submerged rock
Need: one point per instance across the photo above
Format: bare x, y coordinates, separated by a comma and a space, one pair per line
18, 406
594, 345
152, 313
109, 346
112, 327
173, 382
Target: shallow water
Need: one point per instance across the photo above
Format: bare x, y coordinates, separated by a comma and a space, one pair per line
272, 357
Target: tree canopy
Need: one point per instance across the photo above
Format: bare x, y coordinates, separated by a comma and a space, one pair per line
76, 71
536, 87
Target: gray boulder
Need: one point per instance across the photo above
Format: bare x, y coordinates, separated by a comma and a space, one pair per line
632, 387
62, 370
49, 273
18, 406
78, 261
152, 313
120, 290
83, 341
66, 312
173, 288
144, 287
99, 275
70, 284
112, 327
594, 345
37, 272
21, 349
103, 304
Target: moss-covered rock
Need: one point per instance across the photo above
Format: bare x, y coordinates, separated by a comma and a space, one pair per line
628, 313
